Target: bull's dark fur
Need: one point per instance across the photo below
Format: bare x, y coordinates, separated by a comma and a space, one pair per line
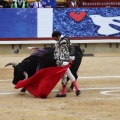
45, 60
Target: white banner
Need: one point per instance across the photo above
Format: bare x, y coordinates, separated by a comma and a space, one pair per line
44, 22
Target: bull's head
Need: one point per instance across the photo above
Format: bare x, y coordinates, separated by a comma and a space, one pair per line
19, 73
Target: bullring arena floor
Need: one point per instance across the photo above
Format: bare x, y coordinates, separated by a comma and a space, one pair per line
99, 82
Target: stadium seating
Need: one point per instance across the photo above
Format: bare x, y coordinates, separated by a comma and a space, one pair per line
60, 3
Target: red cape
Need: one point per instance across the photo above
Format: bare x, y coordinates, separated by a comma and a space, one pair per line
42, 83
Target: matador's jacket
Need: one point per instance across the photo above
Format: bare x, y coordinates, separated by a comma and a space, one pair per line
63, 50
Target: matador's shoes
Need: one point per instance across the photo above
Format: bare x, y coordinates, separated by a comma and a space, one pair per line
78, 93
61, 95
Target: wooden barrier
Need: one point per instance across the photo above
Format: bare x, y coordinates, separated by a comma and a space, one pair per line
90, 45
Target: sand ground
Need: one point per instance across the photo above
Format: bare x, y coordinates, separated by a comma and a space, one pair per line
99, 82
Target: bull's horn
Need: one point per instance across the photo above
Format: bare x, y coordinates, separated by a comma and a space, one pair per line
26, 75
14, 64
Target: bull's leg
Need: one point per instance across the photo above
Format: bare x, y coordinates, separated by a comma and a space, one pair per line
23, 90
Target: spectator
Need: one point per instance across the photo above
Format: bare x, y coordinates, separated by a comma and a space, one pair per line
50, 3
73, 3
38, 4
4, 4
19, 4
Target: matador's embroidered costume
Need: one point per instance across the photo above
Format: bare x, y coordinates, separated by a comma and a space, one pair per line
64, 51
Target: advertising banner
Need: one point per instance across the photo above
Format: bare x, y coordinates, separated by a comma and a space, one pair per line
100, 3
72, 22
87, 22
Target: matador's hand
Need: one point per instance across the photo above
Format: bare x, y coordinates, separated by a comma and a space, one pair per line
64, 64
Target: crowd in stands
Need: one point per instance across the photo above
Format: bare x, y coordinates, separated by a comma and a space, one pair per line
4, 4
37, 4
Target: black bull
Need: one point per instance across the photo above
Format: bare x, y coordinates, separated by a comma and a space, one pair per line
44, 58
